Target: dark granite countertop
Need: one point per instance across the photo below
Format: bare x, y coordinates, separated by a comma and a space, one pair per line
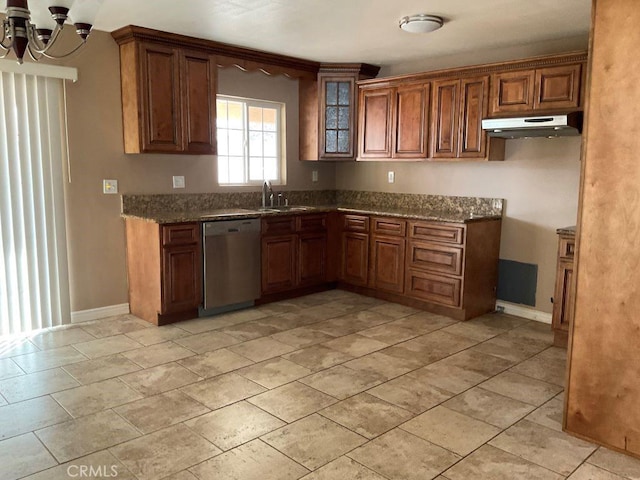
566, 230
240, 213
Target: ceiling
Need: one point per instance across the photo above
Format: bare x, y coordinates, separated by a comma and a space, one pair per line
356, 30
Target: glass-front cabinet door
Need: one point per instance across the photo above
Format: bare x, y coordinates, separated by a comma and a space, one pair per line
336, 115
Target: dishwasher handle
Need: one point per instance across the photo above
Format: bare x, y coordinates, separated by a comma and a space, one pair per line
231, 227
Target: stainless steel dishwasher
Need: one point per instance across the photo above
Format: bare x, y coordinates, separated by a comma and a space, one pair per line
231, 264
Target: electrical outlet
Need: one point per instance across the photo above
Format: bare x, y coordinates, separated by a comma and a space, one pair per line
109, 186
178, 181
391, 176
314, 176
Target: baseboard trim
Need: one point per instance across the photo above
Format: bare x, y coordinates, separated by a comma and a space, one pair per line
101, 312
524, 312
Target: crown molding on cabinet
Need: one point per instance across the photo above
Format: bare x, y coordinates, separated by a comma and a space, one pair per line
228, 55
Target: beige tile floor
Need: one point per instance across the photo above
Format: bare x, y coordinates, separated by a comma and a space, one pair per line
328, 386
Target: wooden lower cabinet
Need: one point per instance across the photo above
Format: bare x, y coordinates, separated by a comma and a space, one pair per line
279, 263
563, 300
433, 257
164, 264
312, 258
448, 268
387, 263
437, 289
355, 258
294, 252
180, 282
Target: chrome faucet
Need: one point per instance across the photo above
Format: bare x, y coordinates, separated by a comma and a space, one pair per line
267, 190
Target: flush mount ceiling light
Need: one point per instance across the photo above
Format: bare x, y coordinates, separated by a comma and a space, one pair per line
421, 23
30, 30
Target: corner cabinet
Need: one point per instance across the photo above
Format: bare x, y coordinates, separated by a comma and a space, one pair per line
164, 267
168, 98
328, 110
337, 111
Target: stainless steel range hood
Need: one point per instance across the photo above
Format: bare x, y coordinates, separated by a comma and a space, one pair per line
525, 127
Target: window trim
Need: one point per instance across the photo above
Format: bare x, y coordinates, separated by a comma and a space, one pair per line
280, 108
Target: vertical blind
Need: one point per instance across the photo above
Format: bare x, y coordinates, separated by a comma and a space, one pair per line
34, 278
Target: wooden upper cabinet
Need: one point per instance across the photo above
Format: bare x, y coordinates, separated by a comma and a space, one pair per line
375, 120
474, 105
541, 89
439, 119
444, 118
410, 117
160, 102
199, 97
328, 111
337, 116
512, 91
168, 99
557, 87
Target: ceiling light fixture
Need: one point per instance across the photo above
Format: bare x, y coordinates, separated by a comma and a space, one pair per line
30, 31
421, 23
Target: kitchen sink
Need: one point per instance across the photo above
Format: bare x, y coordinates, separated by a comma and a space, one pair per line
284, 208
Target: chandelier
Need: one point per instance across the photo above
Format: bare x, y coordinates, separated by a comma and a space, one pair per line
36, 31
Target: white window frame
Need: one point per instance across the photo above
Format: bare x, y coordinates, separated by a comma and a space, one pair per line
280, 140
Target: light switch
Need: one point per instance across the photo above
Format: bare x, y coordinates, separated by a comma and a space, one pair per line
178, 181
391, 176
314, 176
109, 186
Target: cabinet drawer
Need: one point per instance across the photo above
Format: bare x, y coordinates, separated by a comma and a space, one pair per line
311, 223
434, 232
433, 288
180, 234
279, 225
356, 223
435, 258
567, 247
389, 226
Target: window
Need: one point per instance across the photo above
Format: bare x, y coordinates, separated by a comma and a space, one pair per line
250, 141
